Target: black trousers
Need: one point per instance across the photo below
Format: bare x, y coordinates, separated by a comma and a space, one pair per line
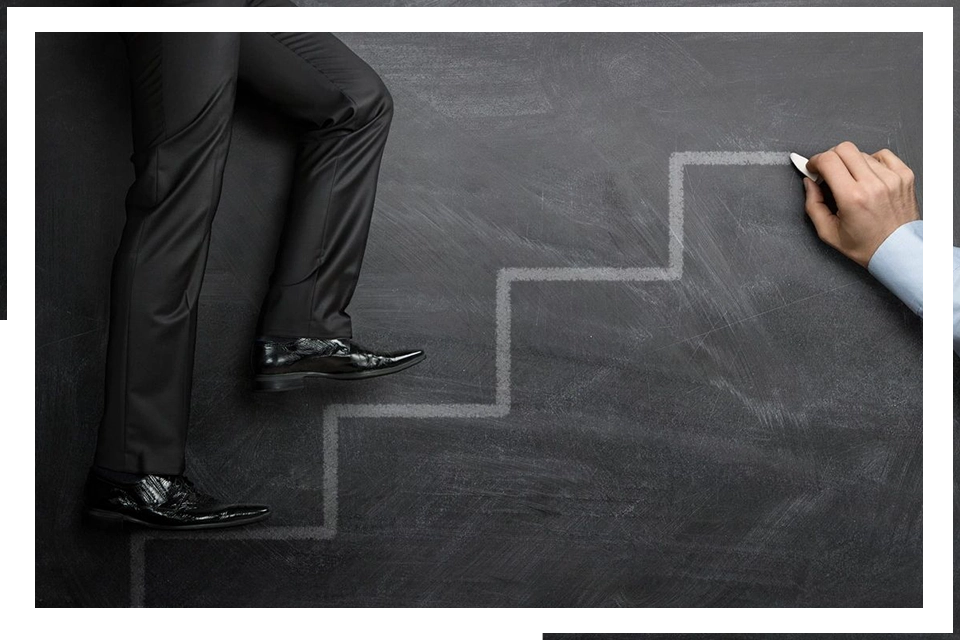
183, 87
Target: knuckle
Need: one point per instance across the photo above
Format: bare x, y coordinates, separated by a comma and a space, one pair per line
846, 145
857, 195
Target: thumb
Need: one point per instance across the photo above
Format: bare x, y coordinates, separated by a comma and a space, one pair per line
823, 219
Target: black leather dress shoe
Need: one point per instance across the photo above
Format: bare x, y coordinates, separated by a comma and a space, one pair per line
283, 365
161, 502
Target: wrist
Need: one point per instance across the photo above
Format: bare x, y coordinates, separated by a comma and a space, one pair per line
879, 239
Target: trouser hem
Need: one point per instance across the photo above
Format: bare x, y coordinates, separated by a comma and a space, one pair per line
342, 328
285, 334
143, 465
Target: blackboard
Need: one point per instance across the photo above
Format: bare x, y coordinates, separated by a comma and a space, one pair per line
722, 412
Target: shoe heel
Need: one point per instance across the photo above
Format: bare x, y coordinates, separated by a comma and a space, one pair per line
103, 520
277, 383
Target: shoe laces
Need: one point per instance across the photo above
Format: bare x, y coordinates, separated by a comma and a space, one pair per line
187, 491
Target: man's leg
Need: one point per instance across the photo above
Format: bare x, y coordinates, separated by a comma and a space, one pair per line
183, 87
345, 111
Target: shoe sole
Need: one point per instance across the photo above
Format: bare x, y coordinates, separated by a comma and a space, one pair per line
110, 521
294, 381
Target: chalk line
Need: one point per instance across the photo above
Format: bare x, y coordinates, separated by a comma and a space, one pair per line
501, 406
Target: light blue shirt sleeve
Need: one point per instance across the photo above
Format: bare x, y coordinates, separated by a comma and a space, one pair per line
898, 265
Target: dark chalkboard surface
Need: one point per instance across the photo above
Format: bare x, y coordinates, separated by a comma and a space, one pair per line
744, 431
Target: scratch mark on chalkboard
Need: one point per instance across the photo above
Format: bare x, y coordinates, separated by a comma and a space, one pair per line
732, 323
65, 338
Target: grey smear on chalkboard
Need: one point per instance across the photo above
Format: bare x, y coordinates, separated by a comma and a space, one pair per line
747, 435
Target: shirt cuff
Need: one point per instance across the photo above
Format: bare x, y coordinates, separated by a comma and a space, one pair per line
898, 264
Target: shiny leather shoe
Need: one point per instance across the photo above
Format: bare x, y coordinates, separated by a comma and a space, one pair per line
161, 502
284, 365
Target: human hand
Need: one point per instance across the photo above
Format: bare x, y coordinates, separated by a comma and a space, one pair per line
875, 195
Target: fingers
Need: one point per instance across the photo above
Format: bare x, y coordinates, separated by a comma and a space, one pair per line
895, 164
875, 165
823, 219
891, 179
853, 159
833, 170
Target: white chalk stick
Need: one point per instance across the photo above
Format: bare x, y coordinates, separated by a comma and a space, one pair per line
801, 164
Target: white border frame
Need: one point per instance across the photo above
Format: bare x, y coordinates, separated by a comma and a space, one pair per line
936, 24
